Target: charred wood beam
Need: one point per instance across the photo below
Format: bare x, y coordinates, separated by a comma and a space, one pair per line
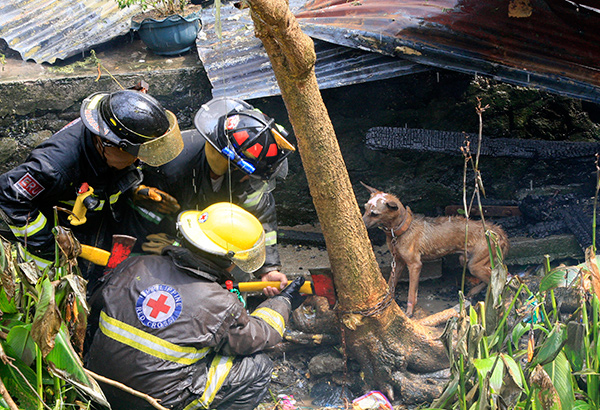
421, 140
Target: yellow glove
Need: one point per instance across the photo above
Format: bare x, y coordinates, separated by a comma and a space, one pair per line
157, 242
155, 200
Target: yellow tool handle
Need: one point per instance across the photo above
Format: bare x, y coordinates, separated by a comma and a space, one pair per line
94, 255
79, 209
257, 286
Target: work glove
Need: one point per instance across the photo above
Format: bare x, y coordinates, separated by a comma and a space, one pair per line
292, 292
157, 242
155, 200
68, 244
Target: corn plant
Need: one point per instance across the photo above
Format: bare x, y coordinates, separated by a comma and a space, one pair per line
43, 316
514, 351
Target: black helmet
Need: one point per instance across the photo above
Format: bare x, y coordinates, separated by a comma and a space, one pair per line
244, 135
134, 122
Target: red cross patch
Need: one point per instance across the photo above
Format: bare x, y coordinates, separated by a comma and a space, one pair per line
202, 218
158, 306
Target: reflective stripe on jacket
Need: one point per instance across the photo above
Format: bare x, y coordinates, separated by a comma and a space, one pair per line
51, 175
173, 335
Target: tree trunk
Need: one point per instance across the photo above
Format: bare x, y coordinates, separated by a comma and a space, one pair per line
392, 350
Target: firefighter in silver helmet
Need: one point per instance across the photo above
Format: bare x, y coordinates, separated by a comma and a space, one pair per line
236, 154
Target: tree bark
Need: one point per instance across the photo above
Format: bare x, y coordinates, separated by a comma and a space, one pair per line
392, 350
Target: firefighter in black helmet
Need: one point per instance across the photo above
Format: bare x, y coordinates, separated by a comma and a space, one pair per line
96, 152
236, 154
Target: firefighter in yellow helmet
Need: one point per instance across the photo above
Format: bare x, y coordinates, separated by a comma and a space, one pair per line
169, 329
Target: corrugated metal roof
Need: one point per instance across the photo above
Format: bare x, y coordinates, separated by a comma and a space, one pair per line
46, 30
554, 44
238, 64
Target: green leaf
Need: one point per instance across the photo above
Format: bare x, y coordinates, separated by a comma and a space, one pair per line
14, 382
519, 330
64, 357
47, 320
559, 371
484, 367
513, 369
6, 305
551, 346
575, 346
473, 316
65, 364
582, 405
553, 280
19, 338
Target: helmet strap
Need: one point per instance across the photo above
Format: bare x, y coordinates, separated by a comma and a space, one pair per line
99, 146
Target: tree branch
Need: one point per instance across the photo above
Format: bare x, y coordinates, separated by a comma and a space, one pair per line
121, 386
7, 360
11, 404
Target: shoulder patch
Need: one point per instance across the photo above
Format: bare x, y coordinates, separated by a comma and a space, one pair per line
28, 186
158, 306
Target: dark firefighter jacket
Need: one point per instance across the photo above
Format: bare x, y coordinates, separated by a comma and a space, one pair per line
51, 176
187, 178
167, 331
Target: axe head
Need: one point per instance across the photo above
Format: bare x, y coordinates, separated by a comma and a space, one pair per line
322, 283
121, 249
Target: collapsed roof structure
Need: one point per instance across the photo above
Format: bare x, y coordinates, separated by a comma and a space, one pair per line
550, 44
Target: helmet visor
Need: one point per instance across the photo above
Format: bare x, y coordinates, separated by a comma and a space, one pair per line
165, 148
251, 259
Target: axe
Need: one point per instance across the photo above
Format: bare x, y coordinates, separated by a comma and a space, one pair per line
120, 250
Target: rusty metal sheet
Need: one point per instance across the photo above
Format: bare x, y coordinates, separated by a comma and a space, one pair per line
46, 30
551, 44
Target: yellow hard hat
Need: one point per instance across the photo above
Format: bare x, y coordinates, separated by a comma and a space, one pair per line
226, 230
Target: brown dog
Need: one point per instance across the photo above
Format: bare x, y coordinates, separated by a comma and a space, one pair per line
414, 238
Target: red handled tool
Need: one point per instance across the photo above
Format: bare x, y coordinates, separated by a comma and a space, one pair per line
121, 249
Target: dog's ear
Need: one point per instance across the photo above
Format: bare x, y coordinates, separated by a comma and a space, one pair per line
392, 205
370, 189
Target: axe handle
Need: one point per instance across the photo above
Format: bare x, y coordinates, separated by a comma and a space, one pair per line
257, 286
95, 255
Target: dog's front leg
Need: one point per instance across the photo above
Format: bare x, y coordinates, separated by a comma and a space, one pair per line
414, 272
